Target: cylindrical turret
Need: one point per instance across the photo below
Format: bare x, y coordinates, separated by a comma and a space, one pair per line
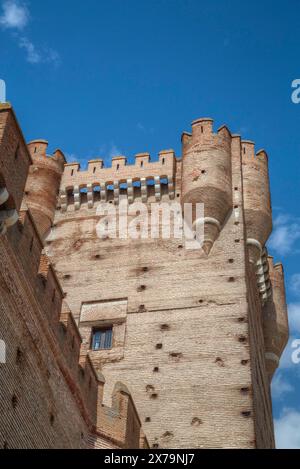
43, 183
257, 202
275, 319
206, 175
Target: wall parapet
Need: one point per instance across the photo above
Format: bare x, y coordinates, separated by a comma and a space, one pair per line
14, 164
98, 183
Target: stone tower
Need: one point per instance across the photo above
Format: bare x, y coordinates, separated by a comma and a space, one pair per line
196, 334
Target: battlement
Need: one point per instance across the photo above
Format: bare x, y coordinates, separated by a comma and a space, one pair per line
43, 183
97, 183
275, 317
14, 163
38, 147
207, 175
203, 134
248, 152
257, 198
38, 151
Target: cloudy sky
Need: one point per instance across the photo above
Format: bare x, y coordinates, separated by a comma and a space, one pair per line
100, 78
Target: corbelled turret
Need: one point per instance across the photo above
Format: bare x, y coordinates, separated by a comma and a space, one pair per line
43, 183
257, 203
275, 319
206, 175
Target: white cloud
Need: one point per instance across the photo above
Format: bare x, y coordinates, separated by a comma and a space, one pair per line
32, 55
286, 233
15, 15
291, 351
295, 284
280, 386
71, 158
286, 357
287, 430
35, 55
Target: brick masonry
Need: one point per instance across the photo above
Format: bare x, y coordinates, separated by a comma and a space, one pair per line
197, 334
51, 394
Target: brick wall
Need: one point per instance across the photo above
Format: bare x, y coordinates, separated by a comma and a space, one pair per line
193, 351
51, 395
187, 324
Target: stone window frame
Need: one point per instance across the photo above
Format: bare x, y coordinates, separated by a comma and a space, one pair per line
93, 316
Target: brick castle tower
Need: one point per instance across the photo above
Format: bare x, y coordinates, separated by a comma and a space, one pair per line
194, 335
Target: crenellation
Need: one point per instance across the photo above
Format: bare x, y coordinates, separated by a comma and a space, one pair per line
257, 200
43, 183
70, 169
262, 156
248, 149
142, 159
94, 166
38, 148
75, 183
202, 130
207, 177
120, 171
275, 317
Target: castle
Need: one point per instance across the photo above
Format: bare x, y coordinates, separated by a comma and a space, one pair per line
137, 343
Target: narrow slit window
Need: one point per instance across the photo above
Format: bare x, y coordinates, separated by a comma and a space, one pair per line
17, 152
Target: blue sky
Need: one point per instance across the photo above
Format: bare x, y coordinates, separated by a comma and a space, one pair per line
99, 78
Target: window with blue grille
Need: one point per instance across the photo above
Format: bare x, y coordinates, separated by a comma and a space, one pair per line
102, 339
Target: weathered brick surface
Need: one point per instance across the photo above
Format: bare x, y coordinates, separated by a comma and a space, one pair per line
51, 395
15, 158
45, 173
192, 329
45, 414
193, 354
